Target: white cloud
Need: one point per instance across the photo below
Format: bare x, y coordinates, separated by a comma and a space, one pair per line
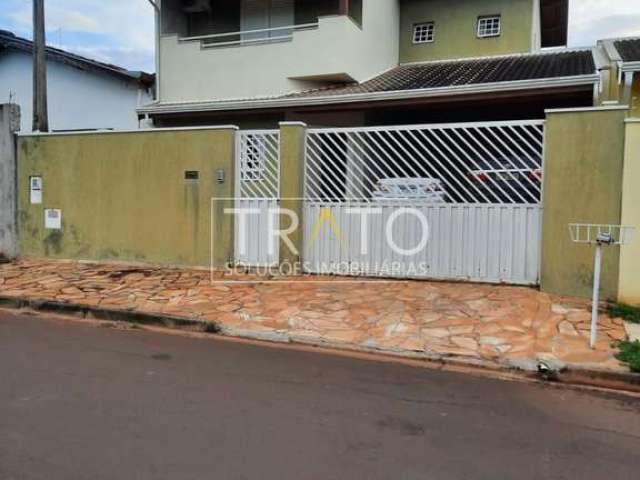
126, 28
592, 20
59, 18
122, 31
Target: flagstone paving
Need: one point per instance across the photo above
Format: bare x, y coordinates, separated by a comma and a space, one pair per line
483, 323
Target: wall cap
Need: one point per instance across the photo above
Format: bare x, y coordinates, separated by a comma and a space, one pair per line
632, 120
139, 130
630, 67
293, 124
587, 109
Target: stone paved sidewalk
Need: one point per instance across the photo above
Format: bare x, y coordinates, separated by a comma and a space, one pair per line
480, 323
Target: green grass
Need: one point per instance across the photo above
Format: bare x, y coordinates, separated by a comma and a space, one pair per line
626, 312
630, 354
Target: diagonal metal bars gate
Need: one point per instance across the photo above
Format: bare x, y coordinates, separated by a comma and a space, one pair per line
473, 190
257, 198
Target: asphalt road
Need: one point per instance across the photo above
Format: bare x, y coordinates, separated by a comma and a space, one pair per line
83, 402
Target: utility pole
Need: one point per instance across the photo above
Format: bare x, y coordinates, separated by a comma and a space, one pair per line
40, 111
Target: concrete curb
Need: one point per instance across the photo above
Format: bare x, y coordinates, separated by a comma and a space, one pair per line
113, 315
570, 375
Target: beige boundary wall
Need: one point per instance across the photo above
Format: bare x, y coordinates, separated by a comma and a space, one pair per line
630, 254
591, 176
124, 195
292, 160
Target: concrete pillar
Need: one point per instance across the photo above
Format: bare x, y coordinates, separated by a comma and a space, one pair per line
224, 172
635, 96
292, 159
584, 153
630, 254
9, 124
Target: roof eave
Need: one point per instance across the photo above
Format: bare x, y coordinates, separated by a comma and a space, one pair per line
19, 44
631, 66
518, 85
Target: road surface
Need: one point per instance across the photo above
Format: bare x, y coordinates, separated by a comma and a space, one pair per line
86, 402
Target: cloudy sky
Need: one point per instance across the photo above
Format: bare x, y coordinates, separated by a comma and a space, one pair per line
121, 31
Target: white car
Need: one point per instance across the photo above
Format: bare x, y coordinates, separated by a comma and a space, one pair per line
428, 190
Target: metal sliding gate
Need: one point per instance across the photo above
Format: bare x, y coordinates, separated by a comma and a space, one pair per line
472, 190
258, 192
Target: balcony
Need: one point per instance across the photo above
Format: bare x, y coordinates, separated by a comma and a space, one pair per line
250, 37
228, 23
223, 49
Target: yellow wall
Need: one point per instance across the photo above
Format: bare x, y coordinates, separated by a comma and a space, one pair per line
584, 153
292, 151
456, 28
124, 196
635, 96
630, 254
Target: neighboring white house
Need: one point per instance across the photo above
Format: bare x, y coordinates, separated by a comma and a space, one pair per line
83, 94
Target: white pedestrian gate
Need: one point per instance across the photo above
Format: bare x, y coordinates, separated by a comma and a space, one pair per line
472, 190
258, 187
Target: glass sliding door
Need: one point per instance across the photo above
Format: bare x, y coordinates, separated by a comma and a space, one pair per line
281, 15
265, 15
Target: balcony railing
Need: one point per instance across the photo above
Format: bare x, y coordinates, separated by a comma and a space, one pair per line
248, 37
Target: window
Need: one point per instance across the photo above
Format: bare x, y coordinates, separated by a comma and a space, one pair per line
489, 26
424, 32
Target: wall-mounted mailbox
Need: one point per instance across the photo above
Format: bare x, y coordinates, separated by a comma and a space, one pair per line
35, 189
220, 175
53, 219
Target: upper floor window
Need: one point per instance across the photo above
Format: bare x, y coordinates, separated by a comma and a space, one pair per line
424, 32
489, 26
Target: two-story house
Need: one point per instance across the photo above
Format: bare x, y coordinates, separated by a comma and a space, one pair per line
365, 62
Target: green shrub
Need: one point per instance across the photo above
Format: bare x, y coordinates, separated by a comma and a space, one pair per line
626, 312
211, 327
630, 354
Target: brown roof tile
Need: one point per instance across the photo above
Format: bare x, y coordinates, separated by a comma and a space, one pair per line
629, 50
469, 72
